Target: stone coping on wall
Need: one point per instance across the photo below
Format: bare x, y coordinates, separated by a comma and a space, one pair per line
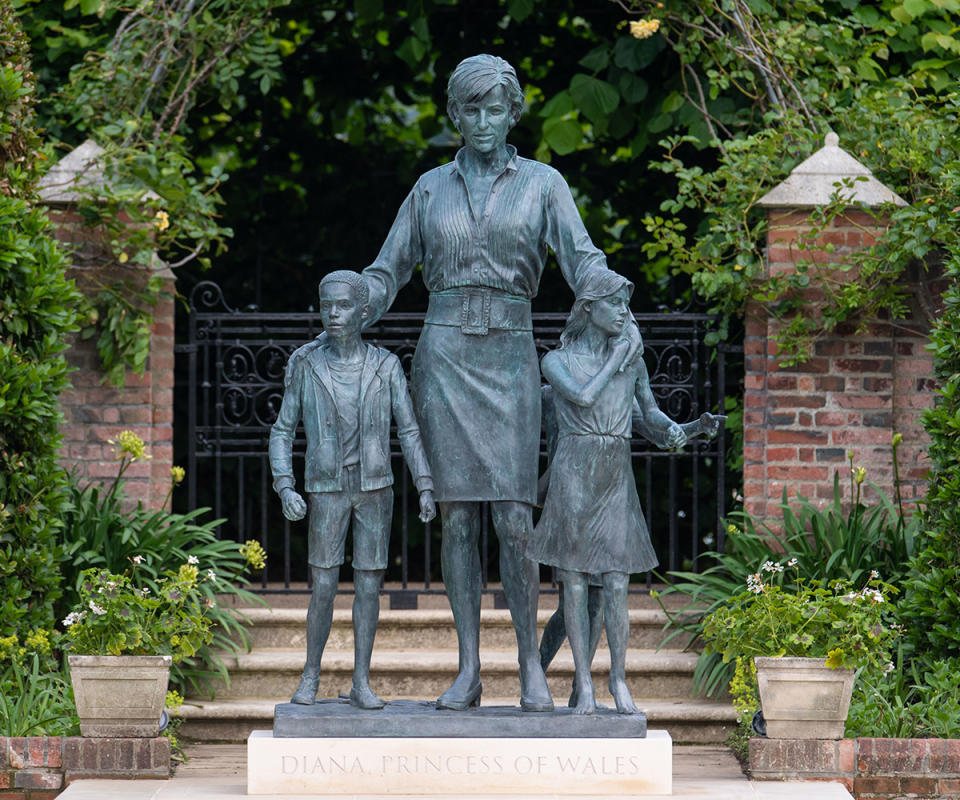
871, 769
40, 767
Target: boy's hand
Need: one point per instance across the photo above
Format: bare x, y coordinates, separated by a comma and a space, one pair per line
676, 438
428, 509
294, 506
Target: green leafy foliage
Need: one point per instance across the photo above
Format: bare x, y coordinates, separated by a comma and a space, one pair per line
136, 74
115, 616
102, 532
844, 623
35, 701
932, 590
915, 700
36, 312
825, 543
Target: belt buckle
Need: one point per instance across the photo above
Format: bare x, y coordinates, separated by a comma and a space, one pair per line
475, 312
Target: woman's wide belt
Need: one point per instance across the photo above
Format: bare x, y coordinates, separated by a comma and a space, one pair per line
476, 311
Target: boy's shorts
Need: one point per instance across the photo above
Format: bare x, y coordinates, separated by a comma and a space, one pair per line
330, 517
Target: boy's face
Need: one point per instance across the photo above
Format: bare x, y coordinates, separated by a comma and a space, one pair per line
341, 315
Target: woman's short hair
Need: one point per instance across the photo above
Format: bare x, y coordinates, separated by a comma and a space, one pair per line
361, 291
477, 75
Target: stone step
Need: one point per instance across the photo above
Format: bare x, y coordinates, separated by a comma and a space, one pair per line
432, 629
689, 721
297, 595
424, 673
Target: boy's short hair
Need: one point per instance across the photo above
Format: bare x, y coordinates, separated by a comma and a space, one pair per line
360, 289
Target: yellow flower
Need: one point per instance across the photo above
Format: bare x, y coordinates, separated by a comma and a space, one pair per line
128, 444
161, 220
8, 645
39, 641
177, 474
644, 28
188, 574
859, 475
897, 439
123, 258
254, 554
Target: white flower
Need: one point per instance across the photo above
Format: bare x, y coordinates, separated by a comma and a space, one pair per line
792, 562
97, 609
193, 560
874, 595
211, 575
755, 583
73, 617
137, 559
145, 591
770, 566
889, 668
874, 575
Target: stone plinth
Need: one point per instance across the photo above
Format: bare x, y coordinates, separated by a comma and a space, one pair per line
459, 765
411, 748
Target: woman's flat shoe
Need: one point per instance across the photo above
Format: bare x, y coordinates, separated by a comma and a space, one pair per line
471, 699
365, 698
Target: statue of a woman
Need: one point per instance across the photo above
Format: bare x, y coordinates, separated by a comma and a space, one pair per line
481, 226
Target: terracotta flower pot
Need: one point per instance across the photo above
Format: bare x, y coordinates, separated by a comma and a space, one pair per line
119, 696
801, 698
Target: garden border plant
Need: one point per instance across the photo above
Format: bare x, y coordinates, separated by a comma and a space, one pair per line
102, 531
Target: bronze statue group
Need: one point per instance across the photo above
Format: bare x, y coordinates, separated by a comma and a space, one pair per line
481, 227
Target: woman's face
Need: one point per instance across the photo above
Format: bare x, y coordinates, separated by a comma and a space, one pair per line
486, 122
610, 313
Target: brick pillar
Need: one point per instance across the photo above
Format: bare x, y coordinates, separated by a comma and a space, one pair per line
852, 396
95, 412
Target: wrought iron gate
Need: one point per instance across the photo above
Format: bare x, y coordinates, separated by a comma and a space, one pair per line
235, 365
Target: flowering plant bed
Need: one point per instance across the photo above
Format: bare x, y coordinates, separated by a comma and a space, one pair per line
840, 623
117, 618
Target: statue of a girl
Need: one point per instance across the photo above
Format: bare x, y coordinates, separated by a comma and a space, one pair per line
592, 523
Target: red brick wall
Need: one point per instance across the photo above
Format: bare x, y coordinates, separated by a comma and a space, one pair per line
872, 769
40, 767
95, 412
851, 397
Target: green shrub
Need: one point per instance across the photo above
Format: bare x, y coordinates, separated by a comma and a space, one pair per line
35, 698
36, 313
932, 590
915, 700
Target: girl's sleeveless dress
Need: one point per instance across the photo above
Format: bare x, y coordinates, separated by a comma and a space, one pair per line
592, 520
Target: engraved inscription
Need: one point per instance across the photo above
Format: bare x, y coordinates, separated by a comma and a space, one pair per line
459, 764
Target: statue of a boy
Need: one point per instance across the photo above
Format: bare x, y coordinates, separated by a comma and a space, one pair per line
344, 391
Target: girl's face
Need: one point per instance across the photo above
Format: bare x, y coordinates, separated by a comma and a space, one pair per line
610, 313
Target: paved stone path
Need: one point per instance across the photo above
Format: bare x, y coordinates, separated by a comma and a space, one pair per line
218, 772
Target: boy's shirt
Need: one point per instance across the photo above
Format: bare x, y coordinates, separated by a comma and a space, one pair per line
311, 397
346, 394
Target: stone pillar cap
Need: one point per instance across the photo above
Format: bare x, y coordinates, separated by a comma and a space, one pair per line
81, 167
812, 182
